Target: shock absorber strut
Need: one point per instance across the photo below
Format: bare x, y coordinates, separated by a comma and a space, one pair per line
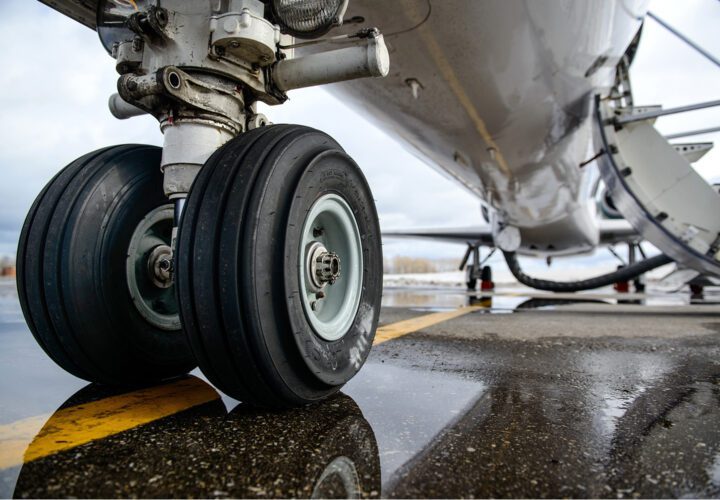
201, 67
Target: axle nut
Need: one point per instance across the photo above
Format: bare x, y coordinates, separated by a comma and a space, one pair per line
327, 267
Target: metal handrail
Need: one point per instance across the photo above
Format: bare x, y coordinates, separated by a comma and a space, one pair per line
621, 120
690, 133
685, 39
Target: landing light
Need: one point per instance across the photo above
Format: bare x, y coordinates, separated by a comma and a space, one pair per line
309, 18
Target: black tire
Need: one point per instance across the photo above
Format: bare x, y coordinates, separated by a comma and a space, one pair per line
72, 270
238, 274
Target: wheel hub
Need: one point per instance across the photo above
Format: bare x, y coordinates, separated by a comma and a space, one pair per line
324, 266
331, 267
160, 266
149, 269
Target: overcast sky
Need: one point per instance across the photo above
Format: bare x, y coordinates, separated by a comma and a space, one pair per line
56, 79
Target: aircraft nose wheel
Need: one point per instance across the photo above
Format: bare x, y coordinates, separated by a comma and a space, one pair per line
83, 278
280, 267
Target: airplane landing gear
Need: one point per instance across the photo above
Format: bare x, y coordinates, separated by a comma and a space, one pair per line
277, 268
476, 270
260, 242
472, 270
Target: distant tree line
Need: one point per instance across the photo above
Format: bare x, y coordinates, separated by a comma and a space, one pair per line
418, 265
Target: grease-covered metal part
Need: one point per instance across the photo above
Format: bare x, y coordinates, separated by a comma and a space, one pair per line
188, 144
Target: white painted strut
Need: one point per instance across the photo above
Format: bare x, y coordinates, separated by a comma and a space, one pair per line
121, 109
360, 61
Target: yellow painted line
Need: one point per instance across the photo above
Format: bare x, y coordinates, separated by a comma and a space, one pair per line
78, 425
395, 330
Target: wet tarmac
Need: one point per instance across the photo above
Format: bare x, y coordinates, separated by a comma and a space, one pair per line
531, 395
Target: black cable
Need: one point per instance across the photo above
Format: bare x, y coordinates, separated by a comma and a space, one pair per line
413, 28
624, 274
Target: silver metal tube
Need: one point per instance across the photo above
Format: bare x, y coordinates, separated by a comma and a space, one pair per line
690, 133
122, 109
664, 112
179, 208
359, 61
685, 39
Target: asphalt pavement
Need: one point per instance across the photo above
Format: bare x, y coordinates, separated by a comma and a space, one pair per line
517, 395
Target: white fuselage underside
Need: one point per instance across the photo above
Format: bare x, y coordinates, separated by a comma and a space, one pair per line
504, 101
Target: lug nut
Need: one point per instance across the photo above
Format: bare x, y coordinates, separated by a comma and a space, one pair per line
165, 265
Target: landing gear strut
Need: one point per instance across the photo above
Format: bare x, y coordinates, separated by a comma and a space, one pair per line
472, 270
476, 270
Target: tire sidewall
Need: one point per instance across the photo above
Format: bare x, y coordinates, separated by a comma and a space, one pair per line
97, 235
334, 362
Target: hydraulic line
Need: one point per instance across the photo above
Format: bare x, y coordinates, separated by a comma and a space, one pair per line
624, 274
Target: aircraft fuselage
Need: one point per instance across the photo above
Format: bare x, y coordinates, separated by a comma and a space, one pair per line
498, 94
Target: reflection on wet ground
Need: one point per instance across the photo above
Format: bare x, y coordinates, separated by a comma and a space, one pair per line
508, 298
328, 450
542, 402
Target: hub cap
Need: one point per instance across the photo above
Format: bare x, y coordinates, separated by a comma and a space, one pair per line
149, 269
331, 267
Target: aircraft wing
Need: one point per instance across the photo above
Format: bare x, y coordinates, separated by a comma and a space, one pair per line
82, 11
463, 235
612, 231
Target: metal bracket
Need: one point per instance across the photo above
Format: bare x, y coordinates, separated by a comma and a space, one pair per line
212, 97
150, 24
223, 102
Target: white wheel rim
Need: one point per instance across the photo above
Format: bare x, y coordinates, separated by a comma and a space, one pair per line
330, 225
141, 243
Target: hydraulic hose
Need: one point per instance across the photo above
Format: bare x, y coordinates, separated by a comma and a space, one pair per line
623, 274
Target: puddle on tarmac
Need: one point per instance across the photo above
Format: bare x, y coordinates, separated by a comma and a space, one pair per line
445, 299
618, 380
435, 298
713, 470
407, 408
10, 312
